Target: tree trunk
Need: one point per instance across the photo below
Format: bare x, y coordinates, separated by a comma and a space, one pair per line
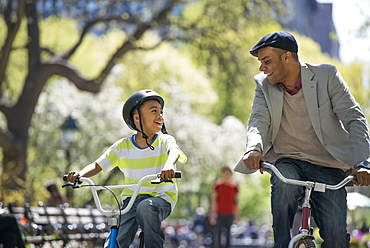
14, 174
13, 141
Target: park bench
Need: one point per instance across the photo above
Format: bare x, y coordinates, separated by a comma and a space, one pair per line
43, 224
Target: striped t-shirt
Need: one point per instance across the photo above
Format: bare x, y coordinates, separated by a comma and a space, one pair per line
136, 162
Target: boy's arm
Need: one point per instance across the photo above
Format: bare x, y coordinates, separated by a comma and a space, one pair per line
168, 171
89, 171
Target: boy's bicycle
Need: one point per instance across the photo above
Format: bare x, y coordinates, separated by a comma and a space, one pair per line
114, 214
305, 238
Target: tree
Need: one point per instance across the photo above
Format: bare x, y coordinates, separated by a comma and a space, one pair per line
157, 69
228, 30
135, 17
44, 61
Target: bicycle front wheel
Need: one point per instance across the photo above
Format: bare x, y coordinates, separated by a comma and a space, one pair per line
305, 243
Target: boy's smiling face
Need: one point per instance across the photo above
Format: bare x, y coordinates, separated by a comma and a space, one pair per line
151, 113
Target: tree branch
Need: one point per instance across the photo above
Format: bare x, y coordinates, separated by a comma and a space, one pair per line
13, 28
33, 46
90, 24
63, 69
129, 44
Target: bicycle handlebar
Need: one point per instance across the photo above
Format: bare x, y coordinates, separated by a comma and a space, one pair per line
156, 179
317, 186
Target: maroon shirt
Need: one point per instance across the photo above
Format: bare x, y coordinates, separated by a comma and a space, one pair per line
297, 87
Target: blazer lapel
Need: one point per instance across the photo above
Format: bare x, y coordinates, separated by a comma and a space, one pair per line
276, 105
309, 88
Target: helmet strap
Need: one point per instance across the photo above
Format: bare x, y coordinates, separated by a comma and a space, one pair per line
142, 131
163, 130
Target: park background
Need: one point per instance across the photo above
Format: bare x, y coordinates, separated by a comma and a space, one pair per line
82, 59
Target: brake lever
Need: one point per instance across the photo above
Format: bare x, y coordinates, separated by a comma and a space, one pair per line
158, 180
75, 185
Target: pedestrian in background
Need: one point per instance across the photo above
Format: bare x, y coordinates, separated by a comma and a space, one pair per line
224, 207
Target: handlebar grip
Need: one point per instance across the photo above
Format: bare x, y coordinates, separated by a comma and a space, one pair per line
159, 180
178, 174
75, 185
65, 178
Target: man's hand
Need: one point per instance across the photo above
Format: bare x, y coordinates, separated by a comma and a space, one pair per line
252, 160
362, 176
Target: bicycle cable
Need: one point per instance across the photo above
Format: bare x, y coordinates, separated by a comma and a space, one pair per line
114, 195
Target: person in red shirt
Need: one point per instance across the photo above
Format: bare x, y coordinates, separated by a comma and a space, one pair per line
224, 207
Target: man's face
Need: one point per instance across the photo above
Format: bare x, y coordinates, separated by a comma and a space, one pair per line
272, 65
151, 113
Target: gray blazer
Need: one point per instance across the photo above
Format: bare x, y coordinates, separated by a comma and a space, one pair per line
336, 118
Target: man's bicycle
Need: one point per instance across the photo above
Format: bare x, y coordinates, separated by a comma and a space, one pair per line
305, 238
113, 215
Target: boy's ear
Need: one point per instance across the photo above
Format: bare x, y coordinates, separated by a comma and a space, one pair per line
135, 117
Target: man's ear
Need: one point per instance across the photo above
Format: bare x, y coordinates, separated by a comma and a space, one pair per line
287, 55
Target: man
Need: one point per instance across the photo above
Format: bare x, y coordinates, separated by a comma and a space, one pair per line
305, 117
224, 206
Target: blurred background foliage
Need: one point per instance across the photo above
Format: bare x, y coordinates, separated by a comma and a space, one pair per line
205, 74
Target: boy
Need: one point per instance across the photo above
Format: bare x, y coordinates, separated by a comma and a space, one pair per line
149, 151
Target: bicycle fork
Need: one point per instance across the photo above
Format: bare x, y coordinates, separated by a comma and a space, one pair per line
305, 230
113, 222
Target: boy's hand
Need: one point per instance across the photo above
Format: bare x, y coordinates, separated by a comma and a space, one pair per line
72, 175
168, 172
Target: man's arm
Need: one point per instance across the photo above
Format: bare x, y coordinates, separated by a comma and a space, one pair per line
351, 116
258, 123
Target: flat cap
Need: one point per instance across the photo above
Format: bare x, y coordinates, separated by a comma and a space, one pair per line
280, 39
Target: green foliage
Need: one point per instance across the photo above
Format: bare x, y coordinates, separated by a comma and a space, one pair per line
99, 50
58, 34
256, 192
165, 65
353, 75
226, 32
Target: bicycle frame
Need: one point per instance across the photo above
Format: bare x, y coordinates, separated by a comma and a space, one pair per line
305, 230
